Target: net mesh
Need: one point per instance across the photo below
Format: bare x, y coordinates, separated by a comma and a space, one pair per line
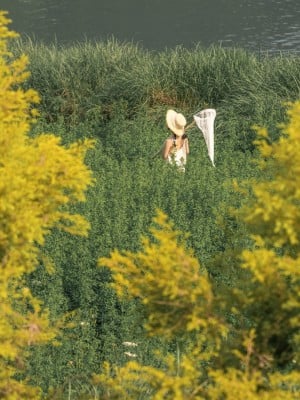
205, 121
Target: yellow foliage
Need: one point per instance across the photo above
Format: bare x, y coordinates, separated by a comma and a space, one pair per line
168, 280
132, 380
275, 213
39, 179
237, 385
273, 217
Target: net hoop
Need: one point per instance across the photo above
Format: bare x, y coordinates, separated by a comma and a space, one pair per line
205, 121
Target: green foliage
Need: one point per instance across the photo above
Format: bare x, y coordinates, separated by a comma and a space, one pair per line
121, 102
255, 356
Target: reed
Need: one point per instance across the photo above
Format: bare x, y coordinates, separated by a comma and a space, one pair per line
85, 80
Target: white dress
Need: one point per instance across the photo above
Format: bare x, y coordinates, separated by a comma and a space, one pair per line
178, 157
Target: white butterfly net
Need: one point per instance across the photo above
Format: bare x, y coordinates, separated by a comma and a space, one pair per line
205, 121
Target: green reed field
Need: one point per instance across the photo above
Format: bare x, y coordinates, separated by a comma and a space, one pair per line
118, 93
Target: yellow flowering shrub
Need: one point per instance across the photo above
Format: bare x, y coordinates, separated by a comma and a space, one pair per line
273, 217
258, 356
179, 302
133, 379
39, 179
162, 276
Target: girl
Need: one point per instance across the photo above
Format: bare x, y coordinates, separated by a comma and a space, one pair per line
176, 147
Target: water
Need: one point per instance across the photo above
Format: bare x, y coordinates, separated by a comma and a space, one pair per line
259, 25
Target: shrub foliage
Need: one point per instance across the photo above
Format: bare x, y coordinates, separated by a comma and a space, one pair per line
39, 178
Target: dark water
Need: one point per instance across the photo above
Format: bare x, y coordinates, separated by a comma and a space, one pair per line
260, 25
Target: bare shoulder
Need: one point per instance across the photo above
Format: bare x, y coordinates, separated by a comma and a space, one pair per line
168, 143
169, 140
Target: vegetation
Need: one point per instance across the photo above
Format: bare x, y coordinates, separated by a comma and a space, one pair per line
39, 179
116, 94
239, 343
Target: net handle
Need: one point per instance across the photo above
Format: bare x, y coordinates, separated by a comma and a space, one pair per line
189, 126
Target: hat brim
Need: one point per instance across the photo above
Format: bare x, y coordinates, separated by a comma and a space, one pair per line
171, 123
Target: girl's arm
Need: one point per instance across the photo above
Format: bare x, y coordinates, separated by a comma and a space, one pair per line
187, 146
166, 148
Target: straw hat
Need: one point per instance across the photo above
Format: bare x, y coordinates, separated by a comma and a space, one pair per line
176, 122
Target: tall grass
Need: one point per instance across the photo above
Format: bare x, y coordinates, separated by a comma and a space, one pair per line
83, 81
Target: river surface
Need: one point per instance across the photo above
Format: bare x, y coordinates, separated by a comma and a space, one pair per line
259, 25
